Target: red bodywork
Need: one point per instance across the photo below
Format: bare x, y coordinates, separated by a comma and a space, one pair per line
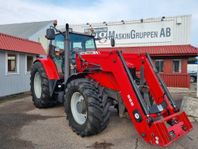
49, 67
114, 76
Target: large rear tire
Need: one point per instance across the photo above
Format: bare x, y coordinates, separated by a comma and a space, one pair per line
87, 107
39, 84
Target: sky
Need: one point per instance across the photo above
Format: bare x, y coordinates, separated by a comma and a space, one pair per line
83, 11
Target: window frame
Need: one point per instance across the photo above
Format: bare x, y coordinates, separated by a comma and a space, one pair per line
34, 58
180, 65
6, 63
160, 60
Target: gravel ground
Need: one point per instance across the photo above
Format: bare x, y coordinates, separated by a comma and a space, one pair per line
24, 126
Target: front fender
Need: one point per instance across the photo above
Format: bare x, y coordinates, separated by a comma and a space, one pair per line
49, 67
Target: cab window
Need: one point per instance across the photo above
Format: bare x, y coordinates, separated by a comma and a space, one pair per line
90, 45
79, 42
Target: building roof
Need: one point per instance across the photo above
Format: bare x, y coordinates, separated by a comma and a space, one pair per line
173, 50
11, 43
23, 30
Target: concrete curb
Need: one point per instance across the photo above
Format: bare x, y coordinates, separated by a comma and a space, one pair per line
190, 106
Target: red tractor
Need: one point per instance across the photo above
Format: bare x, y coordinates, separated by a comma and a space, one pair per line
88, 82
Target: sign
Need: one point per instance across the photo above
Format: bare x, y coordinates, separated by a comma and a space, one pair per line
126, 34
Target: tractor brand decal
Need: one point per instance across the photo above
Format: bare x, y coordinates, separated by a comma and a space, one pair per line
130, 100
89, 52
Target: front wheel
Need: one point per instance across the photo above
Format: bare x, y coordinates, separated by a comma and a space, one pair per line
39, 84
86, 106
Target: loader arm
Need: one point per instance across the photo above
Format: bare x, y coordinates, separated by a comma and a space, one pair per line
158, 122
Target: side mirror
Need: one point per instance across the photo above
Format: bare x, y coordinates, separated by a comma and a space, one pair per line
112, 42
50, 34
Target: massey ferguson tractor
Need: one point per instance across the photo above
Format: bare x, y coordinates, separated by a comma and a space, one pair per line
88, 82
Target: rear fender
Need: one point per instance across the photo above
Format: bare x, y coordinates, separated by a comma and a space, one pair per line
49, 67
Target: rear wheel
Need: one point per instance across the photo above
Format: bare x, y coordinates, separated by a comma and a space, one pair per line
86, 106
39, 84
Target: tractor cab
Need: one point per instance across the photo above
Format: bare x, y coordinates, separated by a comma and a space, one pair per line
78, 42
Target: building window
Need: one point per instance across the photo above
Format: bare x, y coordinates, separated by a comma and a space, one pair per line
12, 63
176, 65
159, 64
29, 60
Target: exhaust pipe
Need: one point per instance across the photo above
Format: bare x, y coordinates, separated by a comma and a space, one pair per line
67, 53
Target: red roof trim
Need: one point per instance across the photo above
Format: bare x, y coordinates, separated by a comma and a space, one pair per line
171, 50
12, 43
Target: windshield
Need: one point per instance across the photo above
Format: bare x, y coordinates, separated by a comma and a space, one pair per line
78, 42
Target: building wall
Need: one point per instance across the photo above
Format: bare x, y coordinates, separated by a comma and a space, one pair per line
13, 83
40, 37
179, 27
168, 65
176, 80
172, 79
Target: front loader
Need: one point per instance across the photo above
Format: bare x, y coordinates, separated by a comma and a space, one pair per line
88, 82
